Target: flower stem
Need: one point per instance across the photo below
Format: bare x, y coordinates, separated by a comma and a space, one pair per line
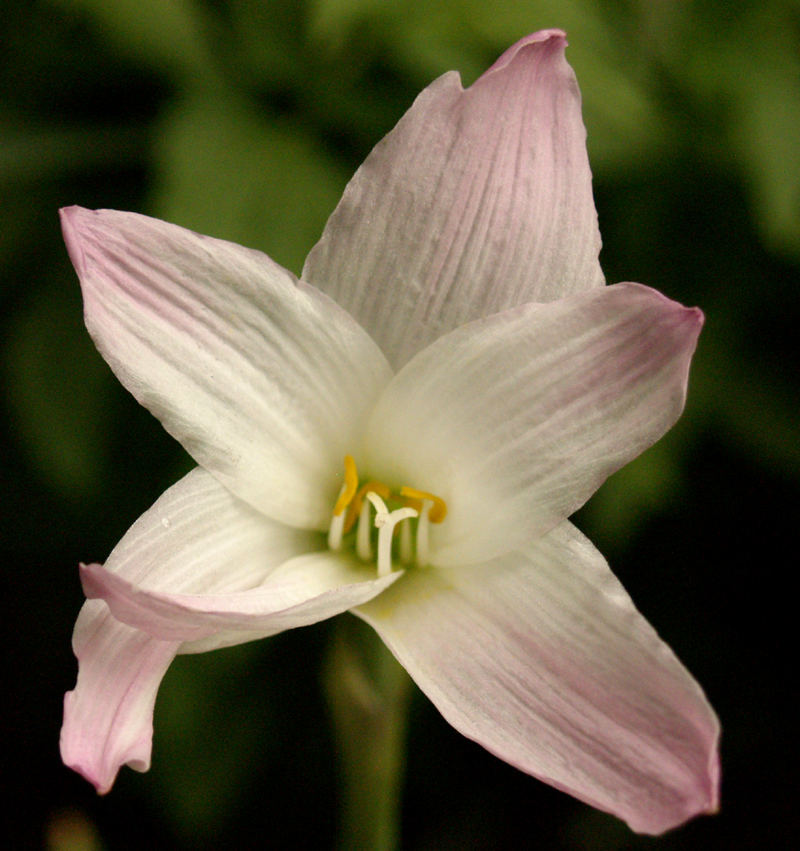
367, 691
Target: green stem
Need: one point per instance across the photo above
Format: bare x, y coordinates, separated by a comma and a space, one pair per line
368, 693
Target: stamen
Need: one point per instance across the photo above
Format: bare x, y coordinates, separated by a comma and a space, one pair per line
406, 544
346, 494
363, 542
438, 510
350, 485
385, 521
433, 510
335, 529
423, 528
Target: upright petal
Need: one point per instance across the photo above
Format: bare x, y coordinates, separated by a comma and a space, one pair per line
517, 419
477, 201
108, 718
265, 382
541, 657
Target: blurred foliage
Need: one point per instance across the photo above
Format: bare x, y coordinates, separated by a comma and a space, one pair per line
243, 119
225, 170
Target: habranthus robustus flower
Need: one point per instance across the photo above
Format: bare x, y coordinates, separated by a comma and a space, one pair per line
403, 433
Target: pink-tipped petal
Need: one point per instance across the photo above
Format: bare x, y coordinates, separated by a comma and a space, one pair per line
517, 419
541, 657
108, 718
477, 201
204, 567
305, 590
197, 536
265, 381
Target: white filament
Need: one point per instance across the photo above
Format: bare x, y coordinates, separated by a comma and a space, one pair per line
336, 528
363, 543
406, 543
423, 527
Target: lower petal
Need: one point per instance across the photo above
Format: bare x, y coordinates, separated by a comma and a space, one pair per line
541, 657
108, 718
305, 590
197, 537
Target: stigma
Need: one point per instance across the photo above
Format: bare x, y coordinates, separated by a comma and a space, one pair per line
374, 506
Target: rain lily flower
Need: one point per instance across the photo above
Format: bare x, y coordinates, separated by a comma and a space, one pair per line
403, 433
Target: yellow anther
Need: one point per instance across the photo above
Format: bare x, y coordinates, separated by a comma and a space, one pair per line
350, 485
438, 510
355, 508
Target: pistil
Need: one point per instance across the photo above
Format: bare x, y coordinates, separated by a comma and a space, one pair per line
385, 521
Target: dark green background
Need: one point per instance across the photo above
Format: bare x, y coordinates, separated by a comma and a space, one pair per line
243, 119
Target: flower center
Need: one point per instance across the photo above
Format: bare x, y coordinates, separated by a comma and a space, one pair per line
393, 512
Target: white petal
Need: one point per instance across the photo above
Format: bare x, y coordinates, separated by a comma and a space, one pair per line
265, 382
304, 590
203, 566
477, 201
541, 657
108, 718
199, 538
517, 419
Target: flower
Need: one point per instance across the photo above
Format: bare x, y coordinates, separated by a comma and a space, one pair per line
452, 363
